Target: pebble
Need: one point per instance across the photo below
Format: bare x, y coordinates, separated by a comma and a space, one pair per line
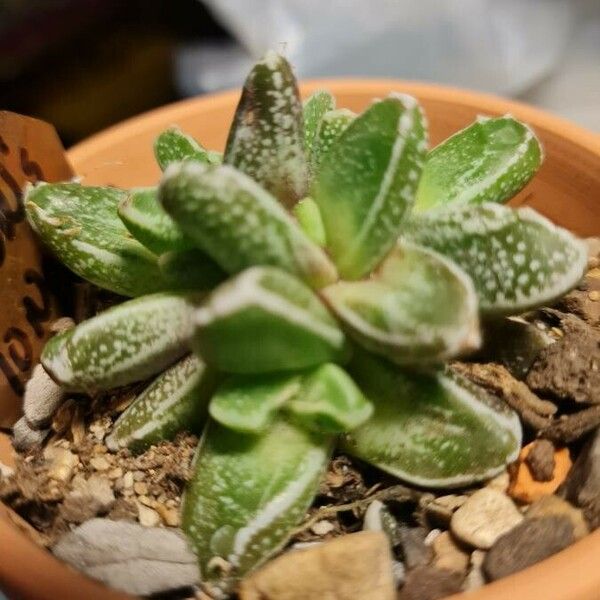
475, 577
555, 506
100, 463
128, 480
484, 517
540, 460
25, 438
322, 527
140, 488
115, 473
440, 510
352, 566
500, 482
449, 555
135, 559
582, 487
87, 499
524, 488
429, 583
62, 324
378, 518
62, 462
528, 543
169, 516
147, 516
414, 550
42, 398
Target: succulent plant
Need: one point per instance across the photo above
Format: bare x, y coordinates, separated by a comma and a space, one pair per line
301, 293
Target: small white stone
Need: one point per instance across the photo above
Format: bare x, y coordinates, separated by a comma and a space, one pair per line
62, 462
432, 536
42, 398
6, 471
372, 518
322, 527
147, 517
484, 517
128, 480
100, 463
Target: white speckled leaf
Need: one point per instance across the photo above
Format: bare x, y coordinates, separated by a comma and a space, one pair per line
247, 494
190, 269
432, 430
489, 161
250, 403
367, 181
81, 227
329, 401
516, 258
148, 222
173, 145
124, 344
308, 215
314, 108
239, 224
176, 400
266, 140
265, 320
331, 126
417, 307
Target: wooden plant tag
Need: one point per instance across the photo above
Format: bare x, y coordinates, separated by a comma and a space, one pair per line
30, 151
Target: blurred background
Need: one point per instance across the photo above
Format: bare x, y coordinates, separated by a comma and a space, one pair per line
86, 64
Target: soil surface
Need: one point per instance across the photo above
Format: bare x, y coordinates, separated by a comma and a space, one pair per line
441, 542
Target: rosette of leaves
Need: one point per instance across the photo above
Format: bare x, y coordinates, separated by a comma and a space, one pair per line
303, 292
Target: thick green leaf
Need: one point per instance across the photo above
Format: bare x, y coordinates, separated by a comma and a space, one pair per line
329, 401
517, 259
148, 222
176, 400
489, 161
331, 126
124, 344
432, 430
172, 145
249, 403
266, 140
314, 108
308, 215
418, 307
190, 269
367, 181
239, 224
81, 227
247, 494
265, 320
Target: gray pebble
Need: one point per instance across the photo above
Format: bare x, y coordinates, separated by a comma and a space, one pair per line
528, 543
135, 559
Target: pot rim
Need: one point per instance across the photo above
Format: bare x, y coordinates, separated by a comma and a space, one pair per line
571, 573
487, 103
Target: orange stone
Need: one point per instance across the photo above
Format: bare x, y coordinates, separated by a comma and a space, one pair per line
524, 488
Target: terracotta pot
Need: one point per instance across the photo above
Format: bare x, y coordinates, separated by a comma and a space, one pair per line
567, 190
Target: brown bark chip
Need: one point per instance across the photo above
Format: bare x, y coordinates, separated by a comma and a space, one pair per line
569, 369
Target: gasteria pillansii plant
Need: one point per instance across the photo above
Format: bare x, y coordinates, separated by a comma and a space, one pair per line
304, 290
